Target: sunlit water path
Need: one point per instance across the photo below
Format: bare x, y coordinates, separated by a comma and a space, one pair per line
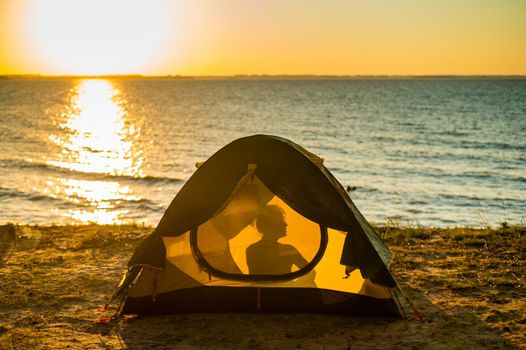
94, 137
434, 152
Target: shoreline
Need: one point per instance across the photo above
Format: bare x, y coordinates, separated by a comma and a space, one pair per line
469, 284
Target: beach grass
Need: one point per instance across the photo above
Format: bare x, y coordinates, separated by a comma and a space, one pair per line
469, 283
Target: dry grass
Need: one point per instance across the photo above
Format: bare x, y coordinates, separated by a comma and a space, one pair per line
469, 283
481, 272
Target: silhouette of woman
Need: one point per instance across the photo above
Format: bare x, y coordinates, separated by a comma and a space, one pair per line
268, 256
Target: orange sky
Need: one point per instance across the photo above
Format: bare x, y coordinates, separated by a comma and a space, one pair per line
209, 37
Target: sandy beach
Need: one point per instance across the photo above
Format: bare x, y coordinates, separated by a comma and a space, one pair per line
468, 283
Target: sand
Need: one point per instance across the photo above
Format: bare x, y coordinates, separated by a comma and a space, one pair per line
469, 284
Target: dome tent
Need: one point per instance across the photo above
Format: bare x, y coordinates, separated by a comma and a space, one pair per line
261, 226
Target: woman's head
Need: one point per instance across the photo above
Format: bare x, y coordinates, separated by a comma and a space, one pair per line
271, 221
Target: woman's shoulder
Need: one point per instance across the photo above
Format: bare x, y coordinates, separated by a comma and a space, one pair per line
288, 248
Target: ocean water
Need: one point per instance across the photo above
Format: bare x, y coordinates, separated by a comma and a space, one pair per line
430, 152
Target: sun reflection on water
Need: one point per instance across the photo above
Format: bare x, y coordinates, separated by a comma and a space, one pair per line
96, 137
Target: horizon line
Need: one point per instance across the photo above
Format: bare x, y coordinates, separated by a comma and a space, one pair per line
253, 76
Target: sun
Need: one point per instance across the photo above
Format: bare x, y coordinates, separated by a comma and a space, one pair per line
99, 36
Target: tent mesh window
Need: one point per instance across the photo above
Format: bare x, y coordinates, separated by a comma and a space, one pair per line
257, 236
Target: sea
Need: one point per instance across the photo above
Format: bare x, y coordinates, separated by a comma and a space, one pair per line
422, 152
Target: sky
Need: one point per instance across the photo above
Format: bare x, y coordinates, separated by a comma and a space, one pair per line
295, 37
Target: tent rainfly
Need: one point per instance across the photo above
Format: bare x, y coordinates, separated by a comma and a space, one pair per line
261, 226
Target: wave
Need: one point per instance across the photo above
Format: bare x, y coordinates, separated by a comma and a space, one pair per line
483, 176
133, 204
454, 133
9, 193
141, 205
434, 172
24, 164
498, 201
491, 145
